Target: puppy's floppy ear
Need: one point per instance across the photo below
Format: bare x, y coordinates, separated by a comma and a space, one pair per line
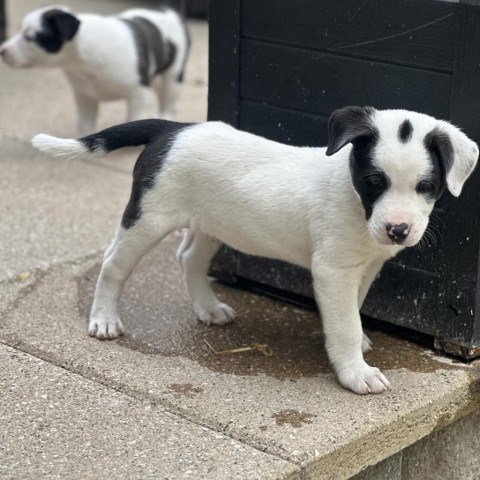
457, 154
348, 124
63, 24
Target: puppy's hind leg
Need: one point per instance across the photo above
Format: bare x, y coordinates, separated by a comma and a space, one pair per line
128, 247
194, 255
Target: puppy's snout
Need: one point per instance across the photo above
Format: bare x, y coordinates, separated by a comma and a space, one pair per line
397, 233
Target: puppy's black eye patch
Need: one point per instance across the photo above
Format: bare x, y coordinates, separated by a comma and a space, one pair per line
376, 181
370, 184
426, 187
57, 28
49, 42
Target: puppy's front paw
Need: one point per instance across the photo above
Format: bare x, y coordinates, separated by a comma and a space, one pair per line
218, 314
363, 379
105, 328
366, 344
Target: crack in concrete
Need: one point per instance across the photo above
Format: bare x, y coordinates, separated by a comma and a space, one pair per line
37, 275
156, 402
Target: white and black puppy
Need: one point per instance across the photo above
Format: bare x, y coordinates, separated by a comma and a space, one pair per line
106, 58
341, 211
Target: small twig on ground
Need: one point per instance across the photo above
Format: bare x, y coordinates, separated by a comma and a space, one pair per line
263, 348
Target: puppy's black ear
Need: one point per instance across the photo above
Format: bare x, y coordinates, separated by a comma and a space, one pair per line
456, 153
347, 125
63, 24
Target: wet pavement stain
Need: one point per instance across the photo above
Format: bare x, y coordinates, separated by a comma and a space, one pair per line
159, 319
292, 417
185, 389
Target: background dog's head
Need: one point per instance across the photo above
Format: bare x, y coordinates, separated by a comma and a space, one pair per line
401, 162
42, 37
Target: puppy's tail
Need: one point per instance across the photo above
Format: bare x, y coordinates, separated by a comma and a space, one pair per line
131, 134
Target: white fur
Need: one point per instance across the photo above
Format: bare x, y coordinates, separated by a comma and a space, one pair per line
60, 148
283, 202
101, 62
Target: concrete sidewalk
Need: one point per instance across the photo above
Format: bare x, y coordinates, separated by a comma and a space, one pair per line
158, 403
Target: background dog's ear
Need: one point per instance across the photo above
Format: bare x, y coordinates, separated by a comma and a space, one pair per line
348, 124
457, 154
63, 24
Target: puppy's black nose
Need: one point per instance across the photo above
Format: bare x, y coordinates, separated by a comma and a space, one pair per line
397, 233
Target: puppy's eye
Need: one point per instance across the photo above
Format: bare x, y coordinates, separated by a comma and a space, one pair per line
28, 37
375, 181
425, 186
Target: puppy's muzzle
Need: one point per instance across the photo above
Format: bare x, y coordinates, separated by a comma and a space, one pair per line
397, 233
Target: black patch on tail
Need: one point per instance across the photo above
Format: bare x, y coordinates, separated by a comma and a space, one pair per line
131, 134
57, 27
405, 131
146, 169
155, 54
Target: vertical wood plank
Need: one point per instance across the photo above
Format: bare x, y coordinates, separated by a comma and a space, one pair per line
461, 315
224, 61
3, 21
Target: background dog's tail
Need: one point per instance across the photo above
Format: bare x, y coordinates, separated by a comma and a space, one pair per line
132, 134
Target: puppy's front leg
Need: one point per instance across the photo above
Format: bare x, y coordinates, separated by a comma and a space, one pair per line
87, 111
337, 295
168, 92
137, 104
365, 285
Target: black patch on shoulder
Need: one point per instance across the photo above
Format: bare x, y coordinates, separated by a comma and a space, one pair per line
368, 180
440, 149
405, 131
155, 54
57, 28
147, 167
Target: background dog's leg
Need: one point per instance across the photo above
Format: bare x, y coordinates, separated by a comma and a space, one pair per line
87, 111
137, 104
365, 285
128, 247
194, 255
337, 295
168, 90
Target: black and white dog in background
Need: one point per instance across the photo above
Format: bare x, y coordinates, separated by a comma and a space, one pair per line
341, 211
106, 58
